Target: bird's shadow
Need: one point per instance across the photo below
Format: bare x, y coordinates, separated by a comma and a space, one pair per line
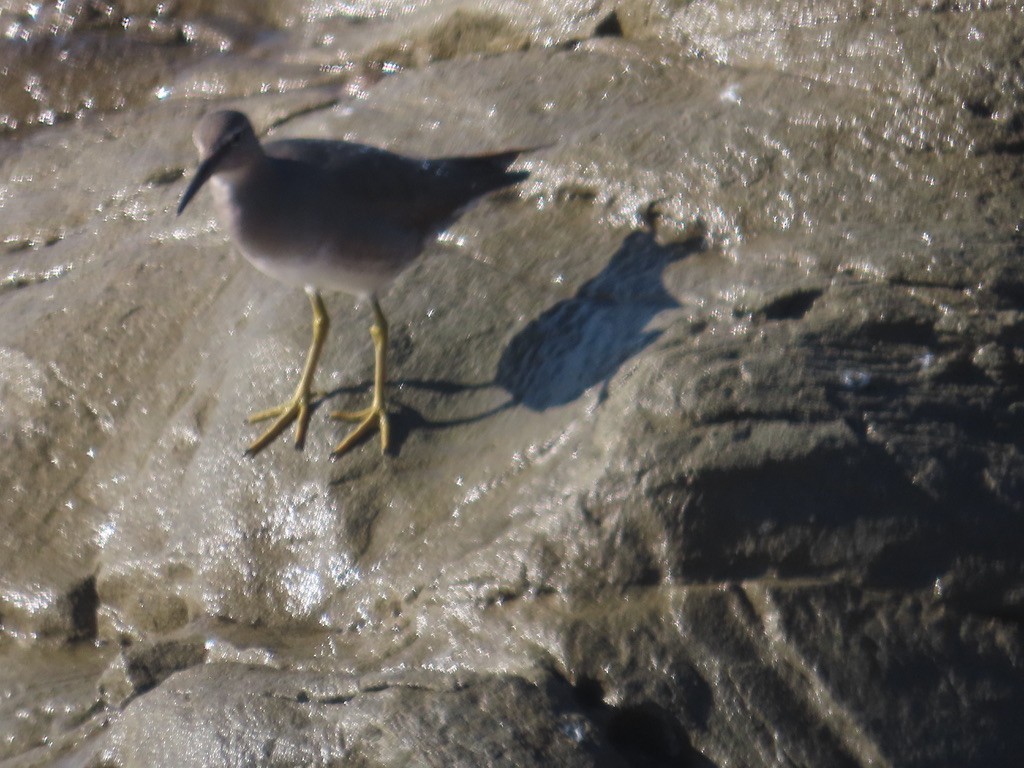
570, 347
405, 419
584, 340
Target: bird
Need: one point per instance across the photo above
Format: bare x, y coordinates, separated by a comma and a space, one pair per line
332, 215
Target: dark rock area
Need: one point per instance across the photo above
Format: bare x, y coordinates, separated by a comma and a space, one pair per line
708, 438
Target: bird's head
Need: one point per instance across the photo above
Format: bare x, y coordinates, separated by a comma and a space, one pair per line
226, 141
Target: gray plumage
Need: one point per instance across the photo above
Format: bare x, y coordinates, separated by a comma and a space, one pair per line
333, 214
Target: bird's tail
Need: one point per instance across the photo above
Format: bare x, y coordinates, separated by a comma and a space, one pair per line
489, 172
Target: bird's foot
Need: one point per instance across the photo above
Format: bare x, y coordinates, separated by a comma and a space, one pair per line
296, 409
374, 417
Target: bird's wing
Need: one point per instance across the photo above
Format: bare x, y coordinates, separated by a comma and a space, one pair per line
413, 192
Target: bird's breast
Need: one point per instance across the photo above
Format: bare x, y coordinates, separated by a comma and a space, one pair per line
303, 240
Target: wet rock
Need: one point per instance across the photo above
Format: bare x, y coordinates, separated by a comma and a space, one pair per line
462, 34
276, 718
141, 666
707, 438
50, 703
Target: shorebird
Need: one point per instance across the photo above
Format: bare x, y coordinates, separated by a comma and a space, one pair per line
333, 216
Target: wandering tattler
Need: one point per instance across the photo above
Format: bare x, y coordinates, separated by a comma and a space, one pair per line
333, 215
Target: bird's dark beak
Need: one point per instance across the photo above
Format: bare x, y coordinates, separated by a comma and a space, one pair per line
203, 174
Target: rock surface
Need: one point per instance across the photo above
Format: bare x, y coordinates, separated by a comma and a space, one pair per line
709, 438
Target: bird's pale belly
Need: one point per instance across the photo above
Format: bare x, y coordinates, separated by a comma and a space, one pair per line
331, 272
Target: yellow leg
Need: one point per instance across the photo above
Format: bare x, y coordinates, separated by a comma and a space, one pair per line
296, 409
375, 416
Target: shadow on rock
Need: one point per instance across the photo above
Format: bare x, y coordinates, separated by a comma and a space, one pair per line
405, 420
569, 348
639, 734
584, 340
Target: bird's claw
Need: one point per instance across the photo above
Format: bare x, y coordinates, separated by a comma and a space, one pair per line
296, 409
374, 417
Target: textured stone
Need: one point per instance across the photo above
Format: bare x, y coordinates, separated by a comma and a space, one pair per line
707, 438
142, 666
